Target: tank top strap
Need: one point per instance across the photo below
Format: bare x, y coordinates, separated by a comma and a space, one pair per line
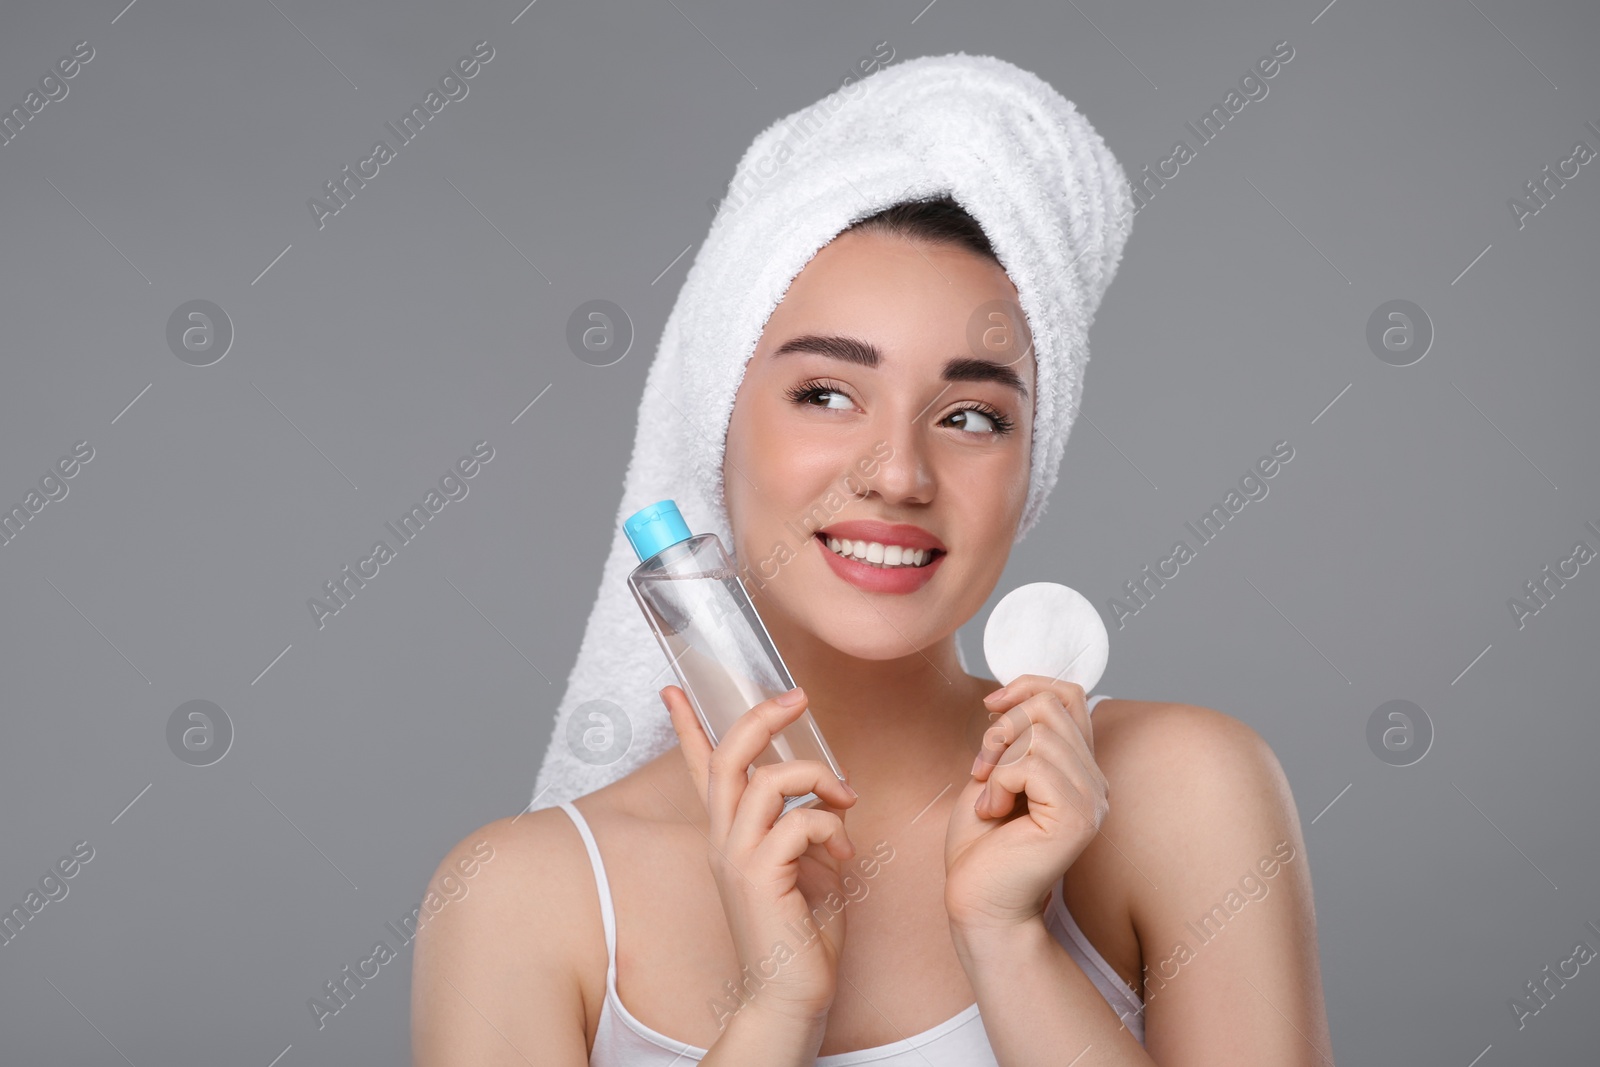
608, 915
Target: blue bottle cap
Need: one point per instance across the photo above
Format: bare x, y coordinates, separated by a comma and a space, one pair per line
655, 527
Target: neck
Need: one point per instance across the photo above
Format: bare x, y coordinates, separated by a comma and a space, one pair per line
902, 729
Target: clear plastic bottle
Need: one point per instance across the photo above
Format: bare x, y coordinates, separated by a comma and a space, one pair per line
703, 618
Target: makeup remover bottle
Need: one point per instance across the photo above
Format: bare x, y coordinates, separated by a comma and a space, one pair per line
717, 645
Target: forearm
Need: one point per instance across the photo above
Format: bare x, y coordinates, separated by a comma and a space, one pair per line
1015, 972
755, 1037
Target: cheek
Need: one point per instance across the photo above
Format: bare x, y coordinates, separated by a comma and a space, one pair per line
741, 454
1019, 473
774, 459
989, 499
763, 468
998, 481
785, 478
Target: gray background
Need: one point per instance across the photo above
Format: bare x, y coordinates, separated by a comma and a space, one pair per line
433, 309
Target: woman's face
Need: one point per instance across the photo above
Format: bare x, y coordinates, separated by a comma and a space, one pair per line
925, 423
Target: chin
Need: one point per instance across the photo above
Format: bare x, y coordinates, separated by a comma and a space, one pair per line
879, 631
893, 647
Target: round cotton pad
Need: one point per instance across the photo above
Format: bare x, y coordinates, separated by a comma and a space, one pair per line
1048, 629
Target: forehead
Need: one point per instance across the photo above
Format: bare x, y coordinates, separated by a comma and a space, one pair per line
915, 299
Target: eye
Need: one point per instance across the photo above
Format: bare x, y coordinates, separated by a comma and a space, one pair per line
985, 419
806, 392
975, 419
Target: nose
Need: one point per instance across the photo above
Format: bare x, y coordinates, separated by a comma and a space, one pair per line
906, 475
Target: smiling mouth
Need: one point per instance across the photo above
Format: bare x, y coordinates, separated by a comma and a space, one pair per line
882, 556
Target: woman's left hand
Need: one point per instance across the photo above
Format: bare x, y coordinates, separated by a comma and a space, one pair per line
999, 871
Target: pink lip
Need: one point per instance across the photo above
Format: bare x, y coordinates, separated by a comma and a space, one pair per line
884, 533
896, 580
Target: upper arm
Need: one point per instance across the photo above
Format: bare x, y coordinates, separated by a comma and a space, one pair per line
1222, 895
493, 978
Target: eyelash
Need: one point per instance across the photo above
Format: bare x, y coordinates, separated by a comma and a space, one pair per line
804, 391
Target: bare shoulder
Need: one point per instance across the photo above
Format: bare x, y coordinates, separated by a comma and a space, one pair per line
1203, 816
1194, 793
1187, 776
1146, 739
500, 946
1197, 802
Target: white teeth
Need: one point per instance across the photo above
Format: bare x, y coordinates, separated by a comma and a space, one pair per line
878, 554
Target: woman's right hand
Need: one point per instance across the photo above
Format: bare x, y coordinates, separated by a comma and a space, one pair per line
772, 872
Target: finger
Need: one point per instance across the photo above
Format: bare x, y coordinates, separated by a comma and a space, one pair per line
728, 767
1051, 776
762, 805
798, 831
1074, 702
1043, 707
1070, 694
1010, 778
1006, 737
1067, 751
997, 802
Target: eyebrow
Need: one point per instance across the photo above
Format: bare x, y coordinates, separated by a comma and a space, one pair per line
866, 354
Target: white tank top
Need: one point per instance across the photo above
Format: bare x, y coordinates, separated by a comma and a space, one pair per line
960, 1041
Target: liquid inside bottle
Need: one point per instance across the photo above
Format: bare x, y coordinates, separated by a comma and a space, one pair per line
719, 648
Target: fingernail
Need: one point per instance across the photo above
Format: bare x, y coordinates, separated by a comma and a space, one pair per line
847, 788
792, 697
977, 805
977, 764
996, 695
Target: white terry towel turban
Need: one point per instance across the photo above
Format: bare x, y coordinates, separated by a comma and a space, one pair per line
1016, 154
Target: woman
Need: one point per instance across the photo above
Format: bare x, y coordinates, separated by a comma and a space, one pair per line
939, 908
